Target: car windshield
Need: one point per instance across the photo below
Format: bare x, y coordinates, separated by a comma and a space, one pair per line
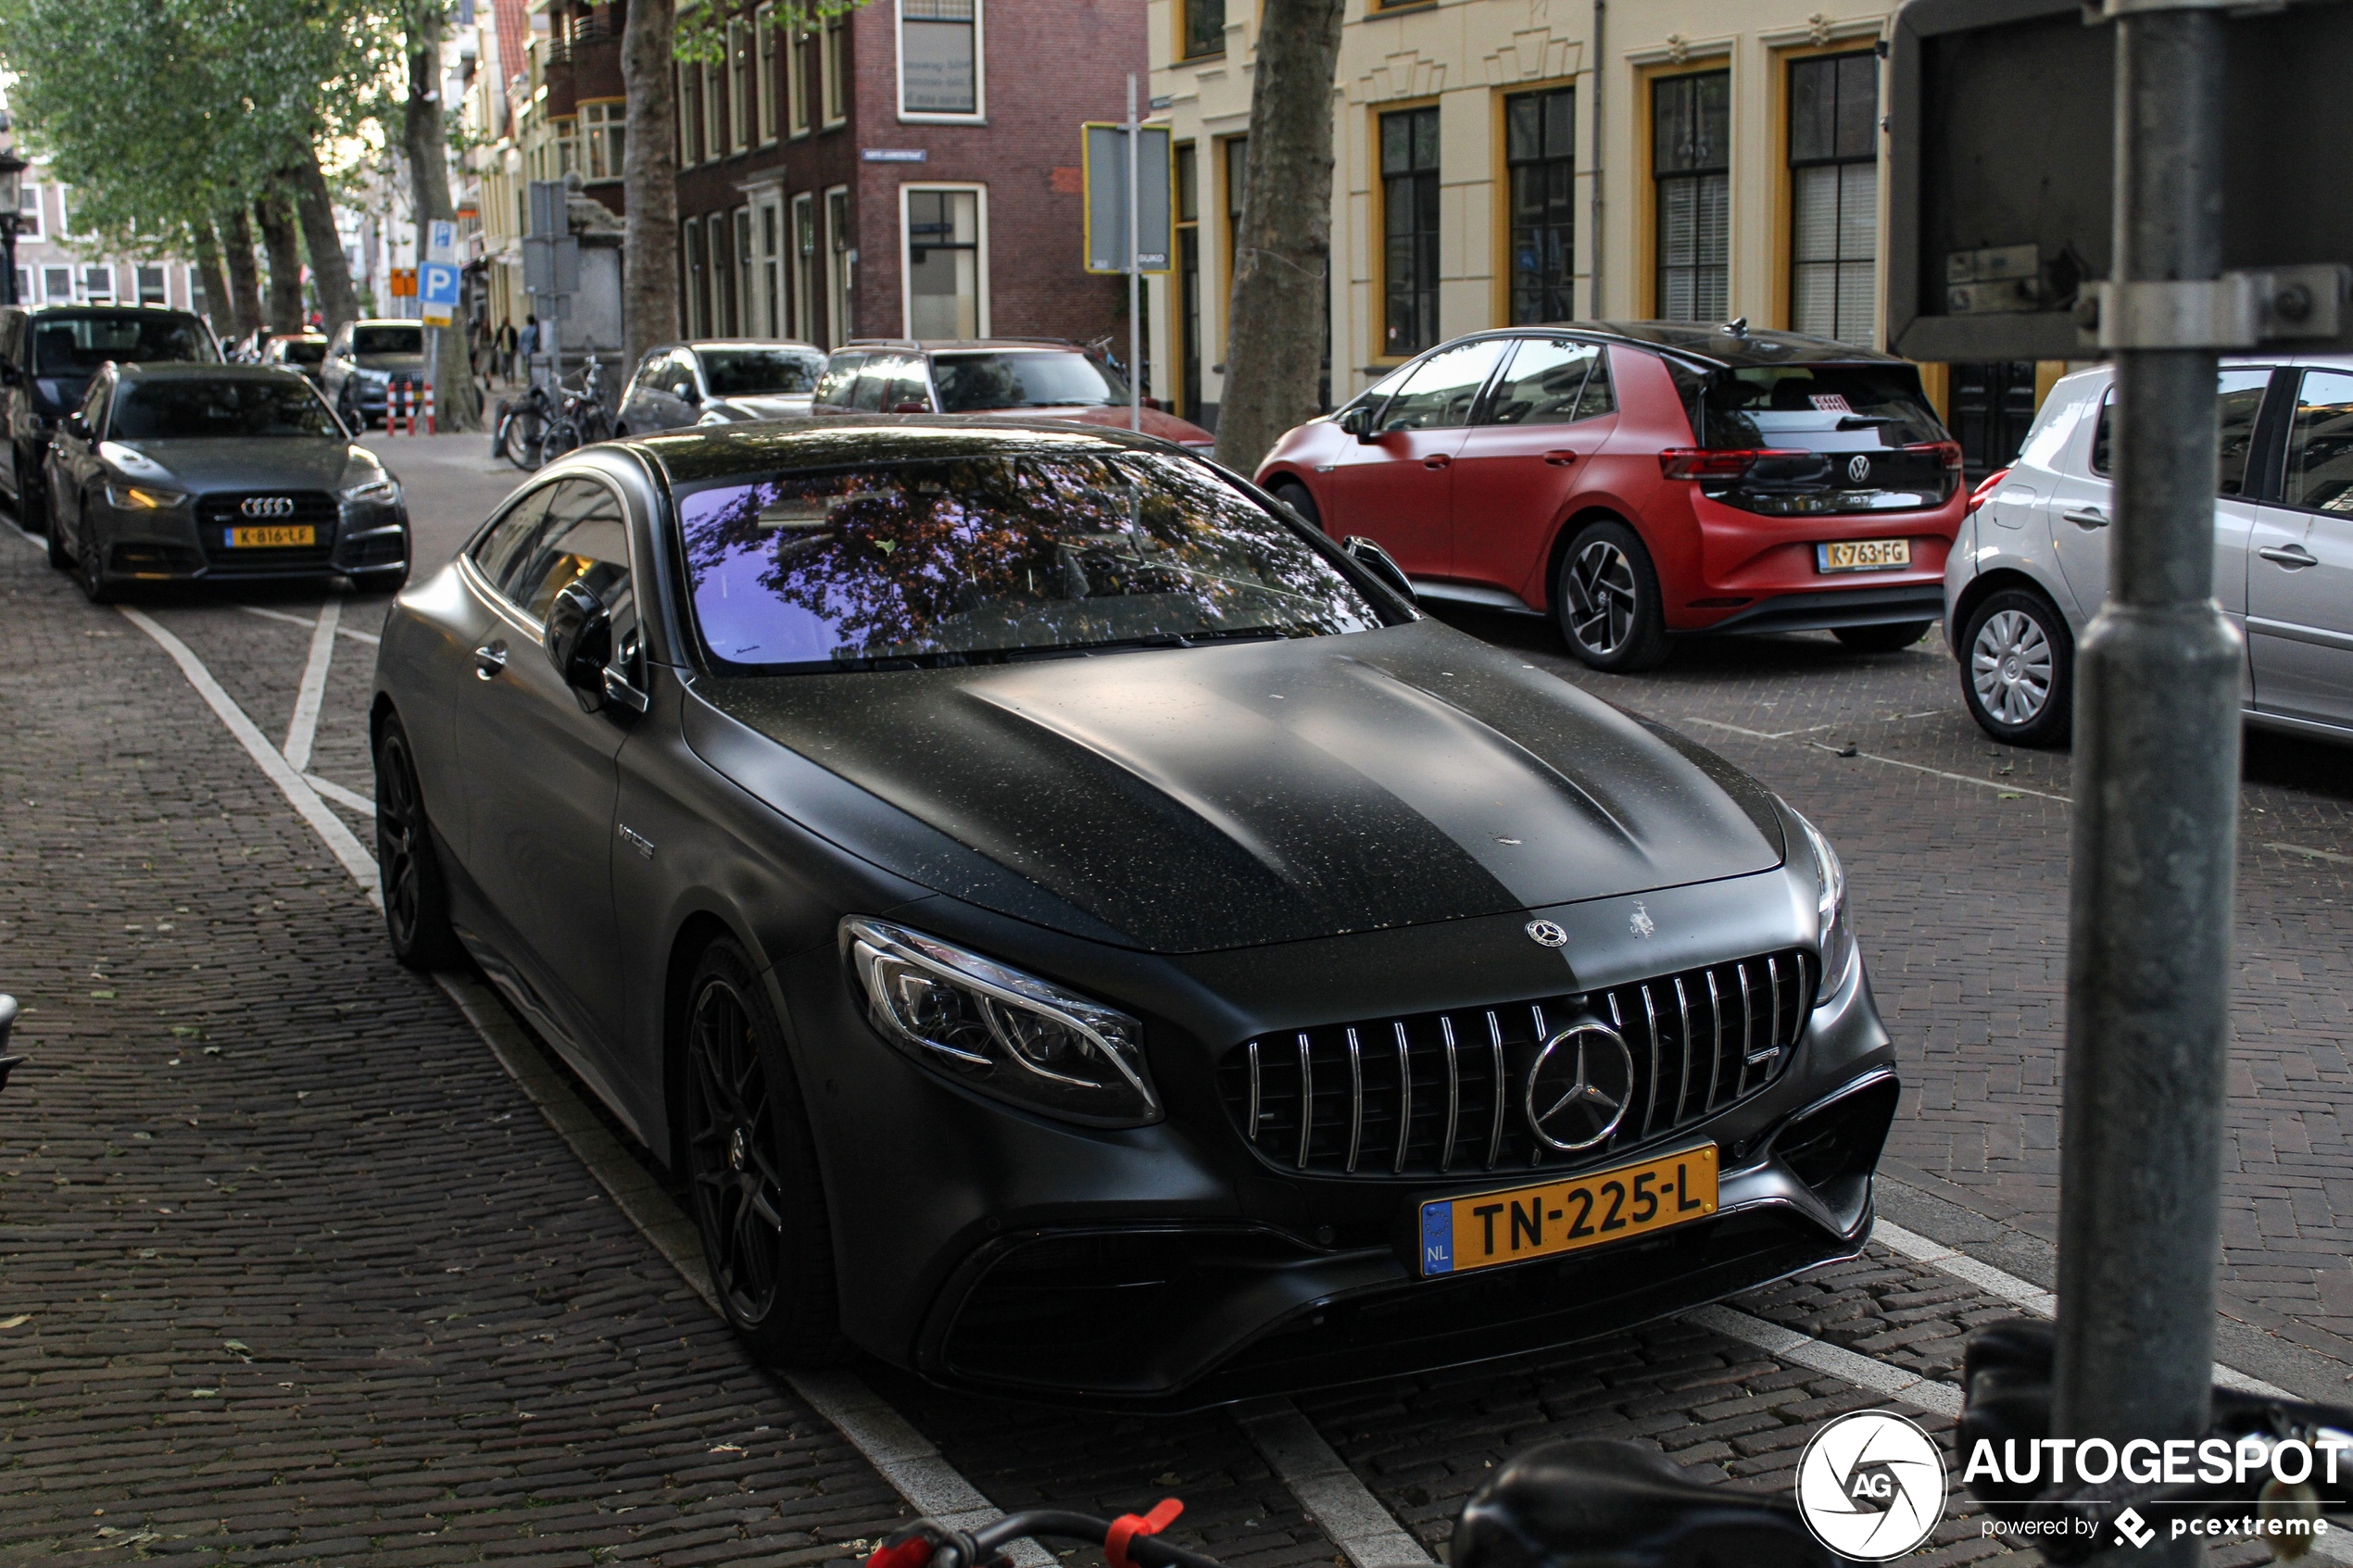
304, 353
972, 559
77, 345
203, 410
1813, 408
387, 340
1024, 379
762, 372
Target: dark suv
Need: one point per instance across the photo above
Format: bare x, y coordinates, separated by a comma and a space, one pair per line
47, 356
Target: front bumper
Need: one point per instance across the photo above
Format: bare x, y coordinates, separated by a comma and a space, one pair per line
177, 545
1169, 1267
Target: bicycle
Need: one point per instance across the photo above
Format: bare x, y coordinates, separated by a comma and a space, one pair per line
520, 429
582, 420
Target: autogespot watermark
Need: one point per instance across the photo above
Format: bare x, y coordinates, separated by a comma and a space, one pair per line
1872, 1486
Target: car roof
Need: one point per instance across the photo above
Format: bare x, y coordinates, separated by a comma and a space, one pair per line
960, 345
95, 309
1717, 344
188, 369
706, 452
699, 345
386, 321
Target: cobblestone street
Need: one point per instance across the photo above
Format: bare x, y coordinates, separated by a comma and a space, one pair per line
296, 1267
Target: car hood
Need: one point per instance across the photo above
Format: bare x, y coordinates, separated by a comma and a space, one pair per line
1194, 800
277, 463
768, 406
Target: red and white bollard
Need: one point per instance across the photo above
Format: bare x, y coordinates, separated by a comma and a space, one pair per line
429, 408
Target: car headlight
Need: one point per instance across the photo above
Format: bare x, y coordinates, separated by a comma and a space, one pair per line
996, 1030
382, 487
1838, 935
142, 498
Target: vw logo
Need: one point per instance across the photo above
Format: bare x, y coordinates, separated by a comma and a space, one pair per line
1858, 468
1579, 1087
1545, 933
267, 506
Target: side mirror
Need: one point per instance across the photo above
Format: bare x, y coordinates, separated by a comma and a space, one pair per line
1377, 561
579, 642
1358, 422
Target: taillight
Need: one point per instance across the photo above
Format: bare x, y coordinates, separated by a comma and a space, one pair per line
1702, 462
1949, 451
1985, 492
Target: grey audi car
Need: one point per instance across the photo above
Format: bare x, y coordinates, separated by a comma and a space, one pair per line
218, 474
1078, 932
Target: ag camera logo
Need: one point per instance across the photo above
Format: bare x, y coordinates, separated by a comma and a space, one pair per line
1871, 1485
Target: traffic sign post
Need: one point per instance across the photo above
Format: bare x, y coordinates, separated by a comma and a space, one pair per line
1130, 200
550, 266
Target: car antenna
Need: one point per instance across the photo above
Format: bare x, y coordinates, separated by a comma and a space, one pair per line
1736, 327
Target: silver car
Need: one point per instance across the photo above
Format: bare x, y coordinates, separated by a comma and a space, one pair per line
2029, 567
718, 380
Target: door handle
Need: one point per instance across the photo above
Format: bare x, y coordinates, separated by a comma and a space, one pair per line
2085, 517
2295, 557
490, 658
1437, 460
1560, 459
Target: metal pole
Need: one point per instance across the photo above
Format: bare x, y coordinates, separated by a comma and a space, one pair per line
2156, 749
1134, 270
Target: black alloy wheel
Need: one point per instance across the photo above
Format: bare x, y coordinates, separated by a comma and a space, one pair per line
758, 1198
60, 553
2018, 669
89, 557
416, 899
1891, 637
1607, 600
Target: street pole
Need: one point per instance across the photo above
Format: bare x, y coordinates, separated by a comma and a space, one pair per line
2157, 772
1134, 270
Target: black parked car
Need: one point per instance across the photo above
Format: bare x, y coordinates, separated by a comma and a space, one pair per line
220, 472
47, 356
1080, 931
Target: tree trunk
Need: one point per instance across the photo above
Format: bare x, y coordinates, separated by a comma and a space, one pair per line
245, 278
216, 283
458, 402
328, 266
649, 173
276, 219
1283, 246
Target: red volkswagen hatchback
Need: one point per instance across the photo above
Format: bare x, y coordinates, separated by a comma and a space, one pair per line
1639, 479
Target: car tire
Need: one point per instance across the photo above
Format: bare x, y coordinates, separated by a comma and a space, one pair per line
32, 505
751, 1168
415, 894
2018, 669
89, 559
60, 556
1299, 498
1607, 600
383, 580
1887, 637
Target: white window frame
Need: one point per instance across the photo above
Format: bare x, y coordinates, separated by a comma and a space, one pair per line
139, 286
81, 280
840, 277
718, 229
980, 70
598, 118
831, 57
805, 272
678, 114
763, 69
770, 240
38, 214
798, 121
743, 239
49, 272
741, 89
980, 248
711, 122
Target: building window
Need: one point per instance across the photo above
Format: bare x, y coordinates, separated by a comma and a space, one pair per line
723, 279
1539, 151
1188, 278
944, 282
567, 144
27, 212
1691, 166
939, 56
713, 126
689, 116
1409, 228
698, 292
151, 287
1205, 28
841, 259
57, 285
796, 82
97, 283
805, 324
600, 133
764, 27
24, 287
747, 276
835, 68
739, 87
1833, 176
772, 268
1237, 187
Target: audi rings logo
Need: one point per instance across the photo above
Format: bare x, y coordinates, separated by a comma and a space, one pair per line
1870, 1485
1547, 933
1579, 1087
1858, 469
267, 506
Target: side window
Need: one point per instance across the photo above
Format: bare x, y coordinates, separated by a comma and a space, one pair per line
833, 386
495, 556
2239, 399
583, 539
1600, 395
873, 377
907, 385
684, 382
1439, 393
2320, 443
1544, 383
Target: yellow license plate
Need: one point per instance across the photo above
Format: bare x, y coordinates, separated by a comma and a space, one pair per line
1491, 1228
1863, 555
272, 538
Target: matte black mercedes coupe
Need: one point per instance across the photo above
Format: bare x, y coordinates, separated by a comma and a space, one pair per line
1080, 931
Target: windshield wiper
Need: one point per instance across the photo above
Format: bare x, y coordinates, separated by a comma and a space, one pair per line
1153, 640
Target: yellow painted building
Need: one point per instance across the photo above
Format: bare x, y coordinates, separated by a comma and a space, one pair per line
1509, 161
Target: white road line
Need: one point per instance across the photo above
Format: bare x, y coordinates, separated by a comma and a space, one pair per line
1338, 1503
2006, 1286
352, 631
1862, 1370
303, 728
1956, 778
2329, 855
305, 801
349, 800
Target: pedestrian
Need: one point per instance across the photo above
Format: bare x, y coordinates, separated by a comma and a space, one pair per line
528, 345
505, 358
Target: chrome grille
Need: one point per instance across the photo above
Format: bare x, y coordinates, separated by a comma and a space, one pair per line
1438, 1093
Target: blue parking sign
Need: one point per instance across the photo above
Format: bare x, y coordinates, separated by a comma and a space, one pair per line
437, 284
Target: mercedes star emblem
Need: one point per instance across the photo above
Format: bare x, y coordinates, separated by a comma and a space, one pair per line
267, 506
1858, 468
1580, 1086
1545, 933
